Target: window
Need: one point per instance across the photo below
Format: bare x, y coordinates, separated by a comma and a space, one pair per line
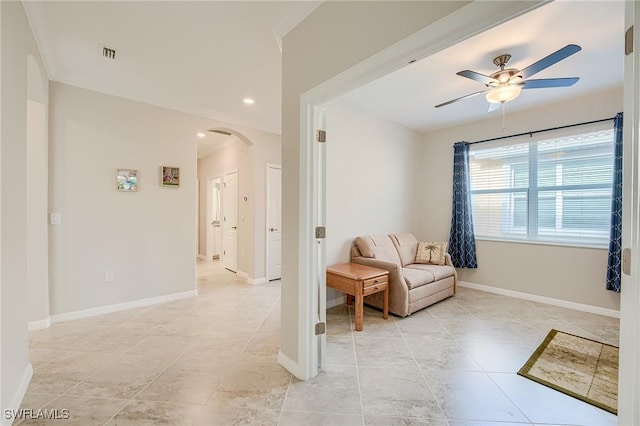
555, 190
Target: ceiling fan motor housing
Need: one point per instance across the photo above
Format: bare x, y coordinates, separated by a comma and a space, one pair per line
503, 76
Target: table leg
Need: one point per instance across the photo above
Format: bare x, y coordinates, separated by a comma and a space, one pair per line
385, 304
349, 299
359, 307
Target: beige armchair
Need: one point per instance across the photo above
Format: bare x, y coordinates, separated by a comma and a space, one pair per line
412, 286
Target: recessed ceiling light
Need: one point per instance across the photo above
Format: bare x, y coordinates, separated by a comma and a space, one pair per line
200, 135
249, 101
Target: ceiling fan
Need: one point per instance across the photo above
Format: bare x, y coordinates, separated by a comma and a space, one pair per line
505, 85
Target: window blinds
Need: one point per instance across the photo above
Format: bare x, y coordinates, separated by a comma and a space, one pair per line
554, 190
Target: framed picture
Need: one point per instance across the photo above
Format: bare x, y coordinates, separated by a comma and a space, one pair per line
126, 180
170, 176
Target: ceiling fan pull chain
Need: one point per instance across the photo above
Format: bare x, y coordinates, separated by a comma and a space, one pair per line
504, 121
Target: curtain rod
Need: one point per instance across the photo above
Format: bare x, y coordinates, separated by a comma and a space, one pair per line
543, 130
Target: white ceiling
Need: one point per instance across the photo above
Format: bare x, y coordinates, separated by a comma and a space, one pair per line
408, 96
199, 57
204, 57
212, 142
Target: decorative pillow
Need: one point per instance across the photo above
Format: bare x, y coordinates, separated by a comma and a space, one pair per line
431, 252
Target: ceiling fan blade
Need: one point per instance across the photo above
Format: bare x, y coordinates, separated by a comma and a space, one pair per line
547, 61
484, 79
471, 95
493, 106
550, 82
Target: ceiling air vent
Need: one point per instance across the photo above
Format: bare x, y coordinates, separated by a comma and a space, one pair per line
222, 132
108, 52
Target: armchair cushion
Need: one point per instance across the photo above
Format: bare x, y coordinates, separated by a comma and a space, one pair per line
431, 253
406, 245
378, 247
438, 272
416, 278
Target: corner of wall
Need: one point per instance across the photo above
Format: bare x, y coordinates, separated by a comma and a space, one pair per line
290, 365
16, 399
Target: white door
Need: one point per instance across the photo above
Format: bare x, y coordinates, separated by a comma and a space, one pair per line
230, 220
215, 221
629, 385
214, 235
274, 219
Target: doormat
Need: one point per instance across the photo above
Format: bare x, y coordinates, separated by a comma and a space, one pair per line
579, 367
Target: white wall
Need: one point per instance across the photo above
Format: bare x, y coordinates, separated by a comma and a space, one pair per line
310, 56
17, 44
372, 165
146, 238
566, 273
37, 194
251, 163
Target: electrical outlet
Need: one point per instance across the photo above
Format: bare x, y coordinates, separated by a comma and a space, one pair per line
54, 218
109, 276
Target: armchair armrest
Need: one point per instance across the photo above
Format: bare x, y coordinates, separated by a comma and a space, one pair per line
398, 289
395, 270
449, 262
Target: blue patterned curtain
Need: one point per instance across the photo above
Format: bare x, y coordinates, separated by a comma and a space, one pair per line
615, 238
462, 243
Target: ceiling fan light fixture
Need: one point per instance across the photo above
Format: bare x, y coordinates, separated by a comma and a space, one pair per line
502, 94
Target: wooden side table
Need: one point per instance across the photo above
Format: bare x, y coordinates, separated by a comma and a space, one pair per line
359, 281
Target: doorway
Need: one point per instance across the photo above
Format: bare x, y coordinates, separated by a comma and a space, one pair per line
214, 228
311, 201
230, 220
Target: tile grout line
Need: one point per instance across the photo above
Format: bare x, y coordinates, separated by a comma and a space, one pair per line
508, 397
116, 413
284, 401
413, 356
355, 356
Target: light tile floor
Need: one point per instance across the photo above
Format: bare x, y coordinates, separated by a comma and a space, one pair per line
212, 360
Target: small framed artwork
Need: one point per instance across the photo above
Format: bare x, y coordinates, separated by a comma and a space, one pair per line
170, 176
126, 180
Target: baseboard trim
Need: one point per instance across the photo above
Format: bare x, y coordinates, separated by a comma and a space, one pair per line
201, 257
18, 396
86, 313
245, 276
289, 364
337, 301
542, 299
39, 325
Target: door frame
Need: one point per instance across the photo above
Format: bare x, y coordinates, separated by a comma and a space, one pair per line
266, 216
629, 372
209, 233
469, 20
222, 204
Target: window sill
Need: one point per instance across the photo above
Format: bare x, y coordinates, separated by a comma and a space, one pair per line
543, 243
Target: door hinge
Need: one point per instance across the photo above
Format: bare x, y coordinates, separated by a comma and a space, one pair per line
626, 261
321, 328
224, 252
321, 136
628, 41
321, 232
